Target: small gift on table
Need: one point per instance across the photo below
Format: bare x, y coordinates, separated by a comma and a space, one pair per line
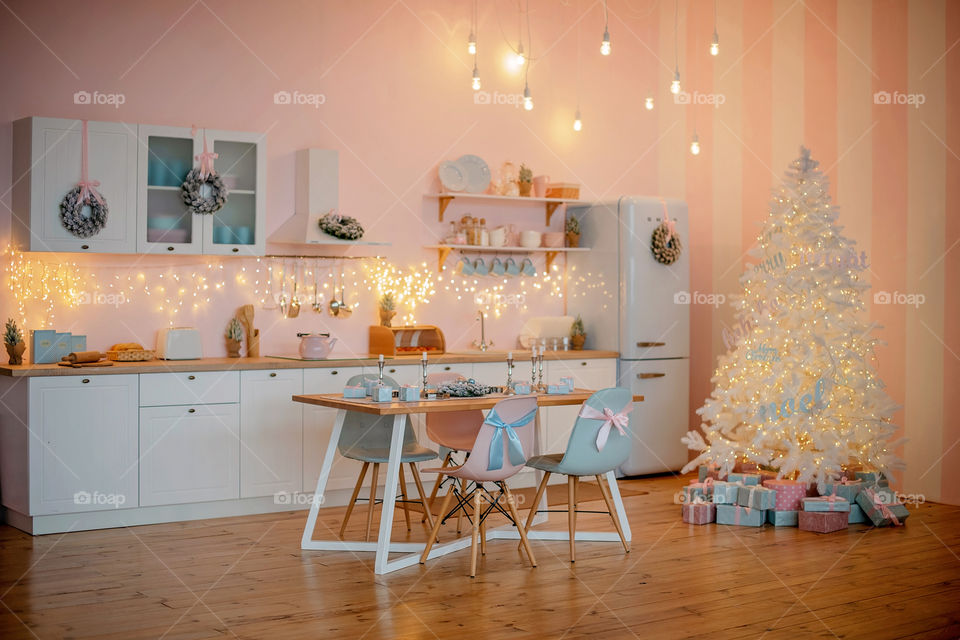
782, 518
710, 470
846, 489
856, 514
382, 393
882, 507
521, 387
354, 391
756, 497
822, 521
740, 516
790, 494
744, 478
567, 381
725, 492
826, 503
699, 512
698, 490
409, 393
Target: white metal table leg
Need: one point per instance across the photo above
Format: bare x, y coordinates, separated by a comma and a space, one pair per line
618, 504
538, 439
390, 494
322, 479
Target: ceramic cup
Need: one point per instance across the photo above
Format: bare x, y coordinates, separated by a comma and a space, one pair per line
527, 267
497, 267
530, 239
244, 235
465, 267
480, 267
540, 186
222, 235
511, 267
498, 237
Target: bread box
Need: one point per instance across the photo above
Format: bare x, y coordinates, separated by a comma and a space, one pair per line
411, 340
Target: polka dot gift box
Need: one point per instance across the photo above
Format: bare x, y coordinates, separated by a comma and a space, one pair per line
790, 494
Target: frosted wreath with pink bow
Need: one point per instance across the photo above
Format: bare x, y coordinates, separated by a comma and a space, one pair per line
192, 189
610, 420
665, 243
74, 215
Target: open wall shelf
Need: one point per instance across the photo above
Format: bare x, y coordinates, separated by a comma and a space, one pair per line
444, 250
550, 204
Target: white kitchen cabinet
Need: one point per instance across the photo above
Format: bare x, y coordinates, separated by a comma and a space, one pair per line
271, 432
47, 164
83, 443
238, 228
189, 453
318, 425
199, 387
593, 374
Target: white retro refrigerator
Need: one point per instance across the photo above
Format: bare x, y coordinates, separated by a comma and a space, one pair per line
633, 304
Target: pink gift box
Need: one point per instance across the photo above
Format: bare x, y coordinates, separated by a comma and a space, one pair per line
823, 521
790, 493
699, 513
746, 467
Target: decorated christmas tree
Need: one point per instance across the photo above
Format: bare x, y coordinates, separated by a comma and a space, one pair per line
798, 391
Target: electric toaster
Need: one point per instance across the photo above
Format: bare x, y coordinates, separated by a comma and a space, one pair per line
178, 343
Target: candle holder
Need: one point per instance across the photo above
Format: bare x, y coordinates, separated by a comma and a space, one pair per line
540, 384
533, 369
509, 388
381, 370
423, 374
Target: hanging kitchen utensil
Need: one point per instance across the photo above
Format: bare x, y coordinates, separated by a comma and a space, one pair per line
283, 302
317, 305
334, 303
270, 302
294, 309
345, 309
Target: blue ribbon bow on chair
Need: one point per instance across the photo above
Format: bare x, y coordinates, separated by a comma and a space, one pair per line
514, 448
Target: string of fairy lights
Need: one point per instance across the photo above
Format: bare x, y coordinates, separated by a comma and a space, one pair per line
45, 287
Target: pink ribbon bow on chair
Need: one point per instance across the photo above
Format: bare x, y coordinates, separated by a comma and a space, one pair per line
610, 419
87, 186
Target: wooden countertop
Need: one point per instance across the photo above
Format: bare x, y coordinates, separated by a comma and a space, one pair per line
267, 362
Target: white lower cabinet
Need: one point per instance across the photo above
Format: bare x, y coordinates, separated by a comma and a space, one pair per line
83, 443
318, 425
189, 453
271, 432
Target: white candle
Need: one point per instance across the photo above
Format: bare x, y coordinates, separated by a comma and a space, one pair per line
510, 355
424, 356
381, 357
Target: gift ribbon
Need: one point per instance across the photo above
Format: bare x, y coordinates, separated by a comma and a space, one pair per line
206, 158
831, 499
879, 505
670, 224
610, 419
514, 448
87, 186
706, 485
736, 518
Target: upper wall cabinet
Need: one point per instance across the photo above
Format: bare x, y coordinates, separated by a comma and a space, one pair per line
47, 164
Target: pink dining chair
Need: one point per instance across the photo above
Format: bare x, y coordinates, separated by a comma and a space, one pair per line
500, 451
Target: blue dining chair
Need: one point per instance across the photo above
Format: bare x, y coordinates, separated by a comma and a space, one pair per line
599, 443
366, 438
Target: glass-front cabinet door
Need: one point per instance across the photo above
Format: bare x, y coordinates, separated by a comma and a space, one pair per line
238, 227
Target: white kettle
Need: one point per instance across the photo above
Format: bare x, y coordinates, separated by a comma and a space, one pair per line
315, 346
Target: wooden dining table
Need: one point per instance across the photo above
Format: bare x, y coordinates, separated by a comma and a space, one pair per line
400, 411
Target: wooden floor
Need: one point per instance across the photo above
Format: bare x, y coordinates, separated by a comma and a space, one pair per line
247, 578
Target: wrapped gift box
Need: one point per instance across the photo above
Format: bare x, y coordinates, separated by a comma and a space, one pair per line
567, 381
698, 490
756, 497
850, 471
705, 471
822, 521
766, 475
882, 507
382, 393
846, 489
871, 478
782, 518
354, 391
790, 493
740, 516
556, 388
521, 388
369, 384
746, 467
826, 503
725, 492
699, 513
744, 478
409, 393
856, 514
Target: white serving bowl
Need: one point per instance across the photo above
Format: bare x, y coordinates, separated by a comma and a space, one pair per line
530, 239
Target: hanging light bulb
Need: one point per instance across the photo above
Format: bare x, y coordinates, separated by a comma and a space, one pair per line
605, 45
675, 85
695, 144
715, 44
520, 59
648, 103
476, 78
472, 44
577, 124
527, 98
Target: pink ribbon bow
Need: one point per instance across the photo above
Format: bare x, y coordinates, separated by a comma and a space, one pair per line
670, 224
610, 419
87, 186
206, 158
881, 506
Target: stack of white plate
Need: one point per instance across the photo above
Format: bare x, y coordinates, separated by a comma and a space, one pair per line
466, 173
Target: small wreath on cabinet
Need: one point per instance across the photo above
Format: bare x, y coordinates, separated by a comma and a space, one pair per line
72, 213
665, 251
191, 192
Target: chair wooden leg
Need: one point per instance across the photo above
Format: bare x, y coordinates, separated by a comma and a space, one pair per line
403, 495
373, 499
475, 534
613, 513
536, 501
572, 513
436, 486
436, 526
353, 498
512, 506
423, 498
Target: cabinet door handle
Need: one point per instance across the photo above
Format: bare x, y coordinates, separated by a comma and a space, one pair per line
85, 380
84, 246
647, 376
334, 372
191, 410
235, 250
393, 370
583, 364
169, 248
273, 374
651, 344
446, 368
191, 377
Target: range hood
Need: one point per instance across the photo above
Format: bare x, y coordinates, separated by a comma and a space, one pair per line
317, 193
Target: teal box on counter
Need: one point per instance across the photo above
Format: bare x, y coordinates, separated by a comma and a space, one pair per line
740, 516
856, 515
782, 518
41, 346
78, 343
62, 346
725, 492
757, 497
744, 478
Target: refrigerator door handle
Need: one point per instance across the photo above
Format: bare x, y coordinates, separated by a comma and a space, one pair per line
651, 344
646, 376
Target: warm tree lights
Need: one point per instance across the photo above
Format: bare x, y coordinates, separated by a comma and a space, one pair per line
798, 390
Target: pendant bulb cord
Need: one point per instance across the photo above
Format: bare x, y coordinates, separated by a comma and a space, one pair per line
676, 35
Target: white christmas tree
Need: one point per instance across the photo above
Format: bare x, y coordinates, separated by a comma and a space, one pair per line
798, 391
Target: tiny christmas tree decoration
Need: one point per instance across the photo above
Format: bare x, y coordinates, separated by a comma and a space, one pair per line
813, 406
578, 334
387, 309
13, 340
573, 232
234, 335
525, 179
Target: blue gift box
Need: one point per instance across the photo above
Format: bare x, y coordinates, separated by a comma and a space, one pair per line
369, 384
567, 381
744, 478
355, 391
856, 514
409, 393
382, 393
741, 516
521, 388
556, 388
725, 492
824, 503
757, 497
871, 478
783, 518
848, 490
